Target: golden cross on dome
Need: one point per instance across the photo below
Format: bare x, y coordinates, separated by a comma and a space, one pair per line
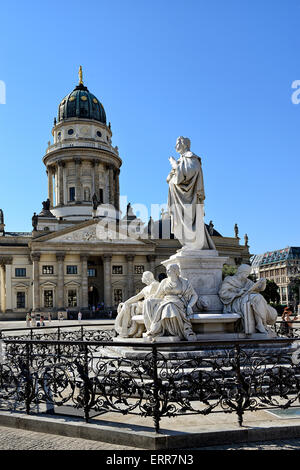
80, 75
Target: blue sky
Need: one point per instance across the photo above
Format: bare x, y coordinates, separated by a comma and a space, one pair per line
219, 72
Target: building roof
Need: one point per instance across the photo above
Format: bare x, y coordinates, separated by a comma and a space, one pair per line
80, 103
288, 253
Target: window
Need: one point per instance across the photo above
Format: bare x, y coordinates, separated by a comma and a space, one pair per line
72, 269
101, 196
72, 298
92, 272
118, 296
20, 299
139, 269
47, 270
48, 298
117, 269
72, 193
20, 272
70, 131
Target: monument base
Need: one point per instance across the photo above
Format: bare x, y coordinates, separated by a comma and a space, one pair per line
203, 268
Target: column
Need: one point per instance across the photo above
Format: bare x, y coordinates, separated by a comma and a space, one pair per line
78, 180
60, 257
50, 185
130, 276
35, 257
2, 283
111, 184
152, 263
84, 281
107, 280
60, 192
117, 189
96, 178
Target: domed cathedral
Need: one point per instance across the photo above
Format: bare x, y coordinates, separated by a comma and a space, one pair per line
82, 162
66, 264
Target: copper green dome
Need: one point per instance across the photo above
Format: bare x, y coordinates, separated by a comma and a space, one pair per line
80, 103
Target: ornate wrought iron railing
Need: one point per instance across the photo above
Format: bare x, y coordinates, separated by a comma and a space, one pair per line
150, 380
77, 332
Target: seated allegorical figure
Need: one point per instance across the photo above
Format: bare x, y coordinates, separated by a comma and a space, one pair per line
241, 295
168, 314
124, 325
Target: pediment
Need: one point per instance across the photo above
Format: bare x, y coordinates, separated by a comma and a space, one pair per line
93, 234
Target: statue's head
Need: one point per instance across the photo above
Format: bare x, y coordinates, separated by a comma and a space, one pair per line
244, 270
183, 144
173, 270
147, 277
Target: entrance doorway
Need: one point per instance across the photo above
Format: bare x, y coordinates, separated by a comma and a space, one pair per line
93, 296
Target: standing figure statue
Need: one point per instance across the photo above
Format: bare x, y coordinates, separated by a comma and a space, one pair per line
241, 295
124, 325
186, 198
236, 231
1, 217
168, 314
35, 220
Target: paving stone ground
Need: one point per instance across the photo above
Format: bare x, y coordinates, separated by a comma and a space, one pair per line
18, 439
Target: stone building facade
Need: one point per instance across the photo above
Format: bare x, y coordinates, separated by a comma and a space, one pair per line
281, 266
65, 263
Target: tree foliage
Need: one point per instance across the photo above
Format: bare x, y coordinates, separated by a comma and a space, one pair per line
271, 292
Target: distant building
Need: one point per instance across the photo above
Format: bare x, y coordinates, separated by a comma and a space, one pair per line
281, 266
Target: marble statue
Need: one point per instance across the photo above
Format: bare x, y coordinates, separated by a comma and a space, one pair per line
168, 314
124, 325
241, 295
1, 217
186, 198
246, 239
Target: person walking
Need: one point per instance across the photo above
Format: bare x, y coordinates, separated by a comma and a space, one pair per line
28, 320
79, 316
286, 325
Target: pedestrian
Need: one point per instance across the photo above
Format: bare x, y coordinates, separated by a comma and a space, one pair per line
42, 320
33, 320
79, 316
28, 320
286, 325
49, 317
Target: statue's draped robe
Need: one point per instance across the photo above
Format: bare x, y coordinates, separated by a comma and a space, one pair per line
236, 301
165, 315
185, 202
124, 325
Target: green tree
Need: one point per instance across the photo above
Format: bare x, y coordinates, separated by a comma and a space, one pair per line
228, 270
271, 292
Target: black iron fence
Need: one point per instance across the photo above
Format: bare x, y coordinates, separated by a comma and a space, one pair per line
92, 377
76, 332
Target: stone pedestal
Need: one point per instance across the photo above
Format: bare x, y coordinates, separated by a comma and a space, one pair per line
203, 268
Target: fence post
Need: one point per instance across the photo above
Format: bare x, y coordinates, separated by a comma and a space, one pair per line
86, 388
240, 384
156, 413
27, 375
